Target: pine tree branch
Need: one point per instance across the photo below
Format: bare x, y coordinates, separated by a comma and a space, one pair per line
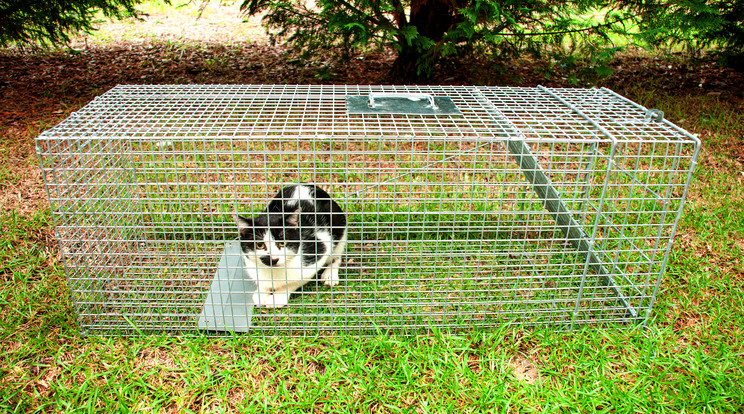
374, 20
560, 32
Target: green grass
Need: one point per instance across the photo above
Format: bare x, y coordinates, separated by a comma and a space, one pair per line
585, 370
688, 360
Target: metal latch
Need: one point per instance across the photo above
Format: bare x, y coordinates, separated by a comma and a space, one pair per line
654, 115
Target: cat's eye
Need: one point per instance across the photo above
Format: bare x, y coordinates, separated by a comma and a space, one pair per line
260, 246
281, 245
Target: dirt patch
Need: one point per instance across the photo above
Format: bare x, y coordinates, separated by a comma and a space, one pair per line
524, 370
21, 190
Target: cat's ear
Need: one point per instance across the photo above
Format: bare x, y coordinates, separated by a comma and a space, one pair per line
244, 224
293, 219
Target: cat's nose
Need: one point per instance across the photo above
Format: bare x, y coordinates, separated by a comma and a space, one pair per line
274, 261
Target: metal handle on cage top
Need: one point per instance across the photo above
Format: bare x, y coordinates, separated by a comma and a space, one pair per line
400, 103
404, 95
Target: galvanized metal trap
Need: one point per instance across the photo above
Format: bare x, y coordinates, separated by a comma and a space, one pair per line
468, 207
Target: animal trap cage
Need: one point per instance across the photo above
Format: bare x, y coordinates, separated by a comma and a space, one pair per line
466, 206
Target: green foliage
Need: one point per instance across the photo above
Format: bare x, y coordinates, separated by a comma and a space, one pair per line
341, 29
580, 35
424, 31
52, 22
695, 24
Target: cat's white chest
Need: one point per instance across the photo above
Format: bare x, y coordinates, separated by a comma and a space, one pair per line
279, 276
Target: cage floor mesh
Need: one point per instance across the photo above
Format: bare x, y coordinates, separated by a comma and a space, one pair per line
466, 206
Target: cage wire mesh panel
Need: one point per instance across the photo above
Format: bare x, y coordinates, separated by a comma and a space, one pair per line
520, 205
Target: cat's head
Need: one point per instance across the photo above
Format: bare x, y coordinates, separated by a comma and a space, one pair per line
269, 240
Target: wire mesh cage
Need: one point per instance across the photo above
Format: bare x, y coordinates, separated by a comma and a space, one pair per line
464, 207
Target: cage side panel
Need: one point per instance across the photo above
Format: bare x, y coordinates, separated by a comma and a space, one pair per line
652, 166
441, 233
89, 183
187, 191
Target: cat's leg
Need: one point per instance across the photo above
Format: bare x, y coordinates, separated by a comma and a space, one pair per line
262, 281
295, 279
330, 274
264, 290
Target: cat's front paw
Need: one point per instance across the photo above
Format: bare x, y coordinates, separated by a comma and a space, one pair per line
260, 299
330, 282
277, 300
269, 300
330, 277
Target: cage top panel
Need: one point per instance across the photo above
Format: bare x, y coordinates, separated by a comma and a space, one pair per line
279, 111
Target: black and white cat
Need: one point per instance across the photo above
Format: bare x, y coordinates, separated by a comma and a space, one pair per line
301, 232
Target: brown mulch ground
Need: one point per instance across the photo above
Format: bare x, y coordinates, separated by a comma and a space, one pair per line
44, 84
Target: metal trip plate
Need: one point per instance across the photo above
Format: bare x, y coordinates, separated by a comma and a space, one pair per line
359, 104
228, 305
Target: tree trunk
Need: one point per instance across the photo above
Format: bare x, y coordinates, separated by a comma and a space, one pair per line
404, 69
432, 19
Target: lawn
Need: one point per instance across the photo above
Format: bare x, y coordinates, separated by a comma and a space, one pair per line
688, 359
